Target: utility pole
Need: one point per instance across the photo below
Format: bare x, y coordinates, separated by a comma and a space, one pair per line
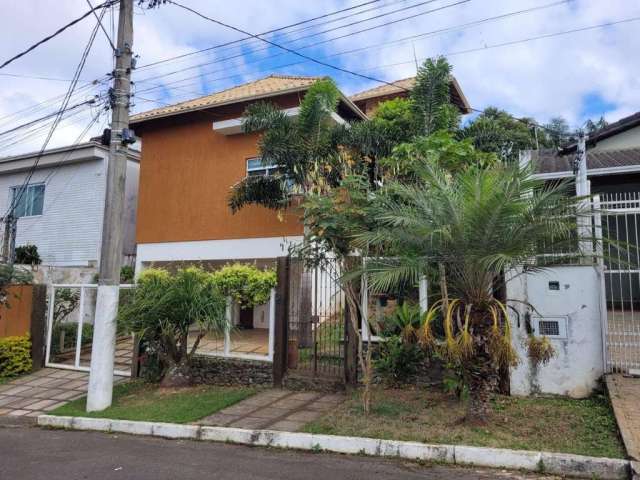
103, 348
583, 189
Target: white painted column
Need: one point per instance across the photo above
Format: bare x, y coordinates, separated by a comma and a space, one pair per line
424, 294
103, 349
272, 323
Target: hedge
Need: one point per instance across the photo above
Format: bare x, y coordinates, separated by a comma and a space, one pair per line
15, 356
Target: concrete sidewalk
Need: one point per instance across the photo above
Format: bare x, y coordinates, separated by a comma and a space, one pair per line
40, 392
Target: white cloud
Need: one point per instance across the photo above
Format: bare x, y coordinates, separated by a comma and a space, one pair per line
541, 78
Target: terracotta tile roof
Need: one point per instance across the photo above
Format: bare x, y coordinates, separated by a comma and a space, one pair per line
400, 86
264, 87
549, 161
382, 90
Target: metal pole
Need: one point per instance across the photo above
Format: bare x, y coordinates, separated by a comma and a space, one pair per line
103, 348
583, 189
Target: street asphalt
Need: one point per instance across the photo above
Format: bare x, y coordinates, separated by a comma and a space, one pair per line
28, 452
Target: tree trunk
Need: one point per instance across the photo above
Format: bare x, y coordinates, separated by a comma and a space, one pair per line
177, 375
480, 373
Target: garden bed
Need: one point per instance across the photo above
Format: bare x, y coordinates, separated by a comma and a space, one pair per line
584, 427
147, 402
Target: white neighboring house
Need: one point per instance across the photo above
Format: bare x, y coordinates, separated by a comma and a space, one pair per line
61, 210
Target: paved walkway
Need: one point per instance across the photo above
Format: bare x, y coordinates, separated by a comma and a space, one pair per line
625, 398
34, 394
275, 410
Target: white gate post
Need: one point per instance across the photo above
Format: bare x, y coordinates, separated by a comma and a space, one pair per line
424, 294
227, 327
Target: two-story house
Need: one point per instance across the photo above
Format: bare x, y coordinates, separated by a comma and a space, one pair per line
192, 154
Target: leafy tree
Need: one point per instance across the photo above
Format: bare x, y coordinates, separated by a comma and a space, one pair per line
593, 126
558, 133
497, 131
473, 226
432, 99
304, 148
164, 308
28, 255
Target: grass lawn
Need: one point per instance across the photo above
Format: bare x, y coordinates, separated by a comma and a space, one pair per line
147, 402
585, 427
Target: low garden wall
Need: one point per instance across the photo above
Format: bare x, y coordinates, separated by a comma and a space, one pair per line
230, 371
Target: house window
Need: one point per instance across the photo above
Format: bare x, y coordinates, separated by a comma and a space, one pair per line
255, 167
28, 200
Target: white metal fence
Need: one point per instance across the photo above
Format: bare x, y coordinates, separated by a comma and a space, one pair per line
617, 221
70, 320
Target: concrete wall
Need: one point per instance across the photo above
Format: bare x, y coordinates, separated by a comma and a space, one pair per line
578, 364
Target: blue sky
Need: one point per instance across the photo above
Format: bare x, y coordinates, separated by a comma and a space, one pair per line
579, 75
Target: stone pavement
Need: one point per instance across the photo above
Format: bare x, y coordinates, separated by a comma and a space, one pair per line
275, 410
34, 394
624, 393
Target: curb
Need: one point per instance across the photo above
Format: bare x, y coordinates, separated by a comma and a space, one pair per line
552, 463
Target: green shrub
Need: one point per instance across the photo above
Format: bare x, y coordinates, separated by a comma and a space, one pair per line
246, 284
28, 255
398, 361
15, 356
126, 274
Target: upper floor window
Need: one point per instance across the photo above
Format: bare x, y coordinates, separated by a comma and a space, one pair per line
256, 167
30, 202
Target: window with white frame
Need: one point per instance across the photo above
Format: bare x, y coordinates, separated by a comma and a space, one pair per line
28, 200
256, 167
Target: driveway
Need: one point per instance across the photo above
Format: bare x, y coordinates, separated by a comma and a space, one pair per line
37, 454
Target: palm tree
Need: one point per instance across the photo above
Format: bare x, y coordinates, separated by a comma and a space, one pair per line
473, 227
305, 148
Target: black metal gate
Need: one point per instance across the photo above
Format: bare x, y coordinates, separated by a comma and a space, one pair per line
316, 320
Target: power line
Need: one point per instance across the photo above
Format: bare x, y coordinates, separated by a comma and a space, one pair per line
315, 34
46, 117
16, 199
113, 47
295, 52
55, 34
233, 42
356, 50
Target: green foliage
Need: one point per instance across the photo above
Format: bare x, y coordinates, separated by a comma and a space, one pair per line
431, 97
66, 301
398, 360
246, 284
127, 274
162, 309
333, 218
64, 335
269, 191
305, 149
496, 131
15, 356
28, 255
440, 150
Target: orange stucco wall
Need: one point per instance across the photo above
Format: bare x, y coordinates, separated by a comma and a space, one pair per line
186, 172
